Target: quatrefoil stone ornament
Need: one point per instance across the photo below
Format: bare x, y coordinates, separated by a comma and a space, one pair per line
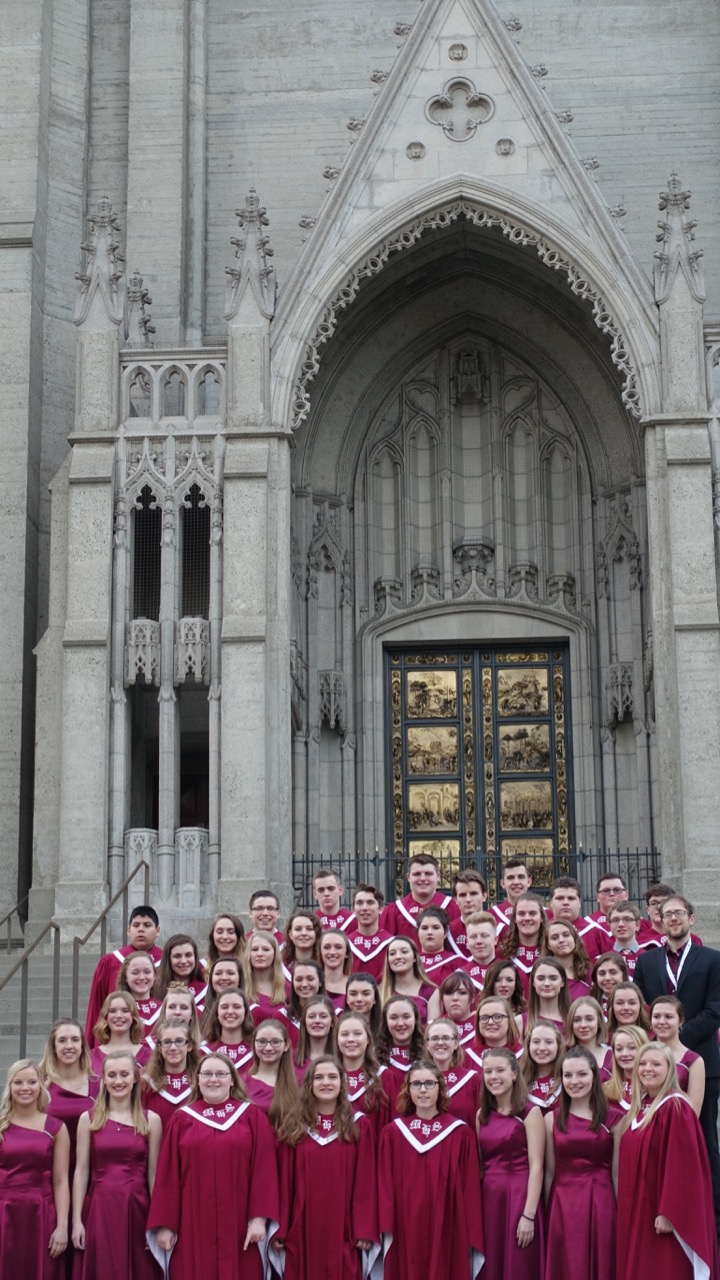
459, 109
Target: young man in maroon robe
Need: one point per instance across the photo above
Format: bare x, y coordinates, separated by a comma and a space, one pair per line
327, 891
566, 904
481, 935
400, 917
624, 922
470, 897
515, 881
143, 933
264, 912
368, 942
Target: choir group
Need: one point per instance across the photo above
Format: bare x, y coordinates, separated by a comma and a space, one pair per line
421, 1091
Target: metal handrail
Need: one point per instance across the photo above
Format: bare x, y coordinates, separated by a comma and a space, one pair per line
8, 917
22, 965
102, 922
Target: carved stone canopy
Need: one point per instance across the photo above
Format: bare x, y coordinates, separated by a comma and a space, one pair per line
253, 270
678, 255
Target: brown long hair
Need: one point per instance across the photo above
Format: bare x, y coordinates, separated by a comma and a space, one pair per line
458, 1056
534, 1013
237, 924
598, 1100
49, 1060
165, 972
303, 1116
193, 1026
519, 1095
303, 1050
101, 1029
374, 1093
155, 1070
511, 941
383, 1039
211, 1028
517, 1000
530, 1069
288, 951
405, 1102
387, 986
643, 1019
580, 957
237, 1088
285, 1095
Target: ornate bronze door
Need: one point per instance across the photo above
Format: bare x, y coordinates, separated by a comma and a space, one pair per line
478, 756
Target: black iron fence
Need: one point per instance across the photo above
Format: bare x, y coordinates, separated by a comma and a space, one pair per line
638, 867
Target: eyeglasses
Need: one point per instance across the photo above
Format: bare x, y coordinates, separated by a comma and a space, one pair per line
491, 1019
269, 1044
424, 1086
611, 893
441, 1040
673, 915
172, 1044
656, 902
214, 1075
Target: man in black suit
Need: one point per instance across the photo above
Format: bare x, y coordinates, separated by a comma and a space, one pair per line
692, 973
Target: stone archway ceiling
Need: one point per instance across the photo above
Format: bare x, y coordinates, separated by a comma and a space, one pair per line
442, 217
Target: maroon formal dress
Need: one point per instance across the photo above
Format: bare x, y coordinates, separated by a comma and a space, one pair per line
581, 1212
116, 1208
69, 1107
27, 1204
328, 1202
217, 1170
504, 1156
429, 1204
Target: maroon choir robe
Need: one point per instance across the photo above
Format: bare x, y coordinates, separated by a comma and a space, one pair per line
400, 917
664, 1170
104, 980
344, 919
429, 1205
379, 1113
438, 965
463, 1086
328, 1201
173, 1094
368, 952
217, 1170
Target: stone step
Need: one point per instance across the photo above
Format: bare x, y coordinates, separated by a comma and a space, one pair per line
39, 1005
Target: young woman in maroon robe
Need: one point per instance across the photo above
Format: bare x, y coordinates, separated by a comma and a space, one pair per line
404, 975
563, 941
219, 1141
582, 1139
443, 1047
117, 1149
302, 940
363, 997
168, 1076
511, 1136
138, 976
306, 982
118, 1027
548, 996
328, 1174
626, 1008
178, 1006
524, 941
66, 1072
226, 940
352, 1047
585, 1026
230, 1028
436, 957
607, 971
225, 974
271, 1082
317, 1021
626, 1044
336, 960
495, 1028
429, 1203
456, 998
503, 979
544, 1049
264, 984
34, 1193
666, 1223
399, 1043
666, 1018
181, 963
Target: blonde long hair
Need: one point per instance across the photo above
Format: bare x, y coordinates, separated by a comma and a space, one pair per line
614, 1088
49, 1061
101, 1110
6, 1102
278, 978
671, 1085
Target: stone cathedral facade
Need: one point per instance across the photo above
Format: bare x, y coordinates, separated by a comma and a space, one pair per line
360, 438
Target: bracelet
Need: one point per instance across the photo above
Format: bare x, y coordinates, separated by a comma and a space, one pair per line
527, 1217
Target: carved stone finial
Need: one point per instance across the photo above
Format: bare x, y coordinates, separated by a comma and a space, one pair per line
676, 236
137, 319
253, 269
103, 274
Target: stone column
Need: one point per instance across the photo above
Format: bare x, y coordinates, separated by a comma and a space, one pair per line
255, 707
686, 626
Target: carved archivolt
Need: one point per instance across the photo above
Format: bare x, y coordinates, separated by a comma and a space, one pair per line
480, 217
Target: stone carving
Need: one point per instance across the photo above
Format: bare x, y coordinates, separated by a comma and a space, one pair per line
355, 124
326, 550
459, 109
473, 556
564, 117
469, 382
648, 662
425, 579
306, 222
619, 701
505, 146
458, 52
140, 846
513, 25
617, 212
415, 150
253, 270
346, 584
561, 590
192, 651
539, 71
620, 542
379, 77
677, 237
591, 163
216, 520
120, 531
142, 652
480, 217
298, 671
191, 855
137, 318
331, 690
523, 581
388, 594
103, 272
330, 172
402, 28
